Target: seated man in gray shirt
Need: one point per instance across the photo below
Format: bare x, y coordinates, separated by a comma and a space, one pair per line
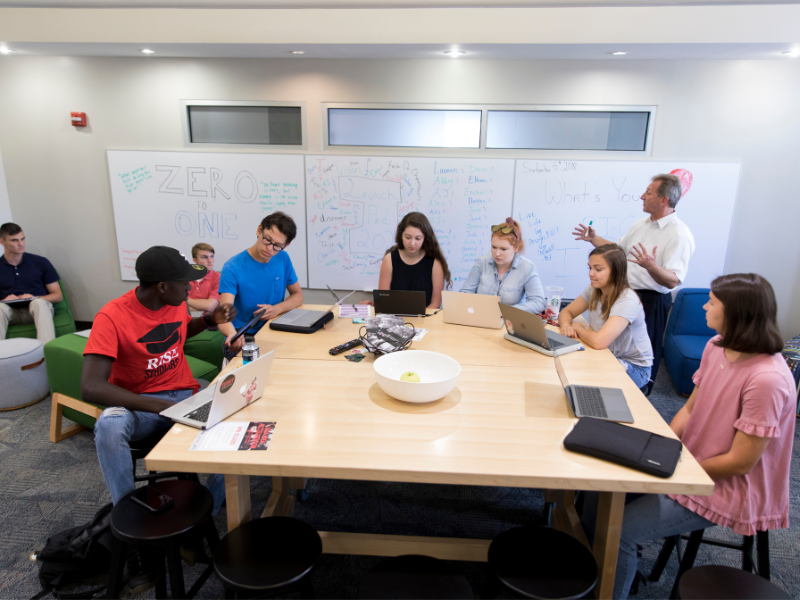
615, 314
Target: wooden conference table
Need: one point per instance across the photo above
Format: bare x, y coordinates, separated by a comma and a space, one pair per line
502, 425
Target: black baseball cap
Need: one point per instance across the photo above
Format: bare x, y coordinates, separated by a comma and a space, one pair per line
162, 263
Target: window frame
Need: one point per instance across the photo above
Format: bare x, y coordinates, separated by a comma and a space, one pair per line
648, 147
326, 147
187, 143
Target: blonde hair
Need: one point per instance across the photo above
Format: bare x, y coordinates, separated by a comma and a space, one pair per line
201, 247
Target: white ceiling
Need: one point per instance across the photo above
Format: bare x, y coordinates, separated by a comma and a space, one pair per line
412, 51
370, 4
646, 29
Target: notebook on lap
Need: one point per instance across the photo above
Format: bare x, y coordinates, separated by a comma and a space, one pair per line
527, 330
19, 302
228, 395
473, 310
608, 404
303, 320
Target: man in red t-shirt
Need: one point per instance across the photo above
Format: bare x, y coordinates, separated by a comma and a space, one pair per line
134, 364
204, 294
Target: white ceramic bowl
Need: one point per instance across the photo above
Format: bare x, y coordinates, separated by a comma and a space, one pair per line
438, 375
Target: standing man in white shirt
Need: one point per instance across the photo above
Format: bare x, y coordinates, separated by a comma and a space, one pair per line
660, 247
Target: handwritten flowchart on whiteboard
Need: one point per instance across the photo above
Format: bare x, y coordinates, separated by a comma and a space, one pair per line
354, 204
552, 197
178, 199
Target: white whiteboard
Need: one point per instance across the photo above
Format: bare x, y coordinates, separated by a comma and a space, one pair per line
552, 197
354, 204
178, 199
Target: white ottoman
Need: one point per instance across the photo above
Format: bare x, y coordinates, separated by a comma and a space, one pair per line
23, 377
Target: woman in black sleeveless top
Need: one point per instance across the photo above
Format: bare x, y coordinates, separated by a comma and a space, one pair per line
416, 262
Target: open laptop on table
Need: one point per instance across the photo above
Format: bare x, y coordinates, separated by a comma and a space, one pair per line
527, 329
228, 395
303, 320
474, 310
608, 404
399, 302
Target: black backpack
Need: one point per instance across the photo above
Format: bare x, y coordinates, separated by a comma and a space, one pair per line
73, 554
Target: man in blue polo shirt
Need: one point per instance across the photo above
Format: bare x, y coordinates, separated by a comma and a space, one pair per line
260, 276
28, 286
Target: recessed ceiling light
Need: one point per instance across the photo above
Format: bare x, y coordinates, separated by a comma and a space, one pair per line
148, 51
619, 53
298, 51
792, 53
5, 50
454, 53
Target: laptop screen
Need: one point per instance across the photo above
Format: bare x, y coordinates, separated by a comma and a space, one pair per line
561, 375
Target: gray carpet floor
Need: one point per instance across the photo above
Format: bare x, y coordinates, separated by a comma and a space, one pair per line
45, 488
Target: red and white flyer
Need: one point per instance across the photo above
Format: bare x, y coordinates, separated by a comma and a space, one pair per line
234, 435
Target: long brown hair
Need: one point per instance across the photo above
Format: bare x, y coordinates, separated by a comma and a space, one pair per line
430, 244
750, 311
514, 237
617, 281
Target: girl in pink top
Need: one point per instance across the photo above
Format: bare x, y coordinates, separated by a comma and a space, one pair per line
738, 423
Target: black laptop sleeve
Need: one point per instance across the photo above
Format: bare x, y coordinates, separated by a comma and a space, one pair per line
634, 448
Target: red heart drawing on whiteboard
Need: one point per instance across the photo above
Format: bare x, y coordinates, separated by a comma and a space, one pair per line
686, 180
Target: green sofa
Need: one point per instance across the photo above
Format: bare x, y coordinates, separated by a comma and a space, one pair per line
64, 361
62, 321
207, 346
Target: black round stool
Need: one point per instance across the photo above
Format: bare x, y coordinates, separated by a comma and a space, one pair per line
414, 576
539, 562
716, 581
268, 556
162, 534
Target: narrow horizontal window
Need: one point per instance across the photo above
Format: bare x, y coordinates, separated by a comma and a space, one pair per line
262, 125
404, 128
567, 130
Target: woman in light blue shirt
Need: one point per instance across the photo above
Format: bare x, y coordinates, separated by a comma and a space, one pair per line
506, 273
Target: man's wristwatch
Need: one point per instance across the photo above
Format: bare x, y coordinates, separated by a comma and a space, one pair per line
209, 322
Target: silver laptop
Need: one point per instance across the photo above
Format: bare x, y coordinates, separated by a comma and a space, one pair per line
474, 310
527, 329
303, 320
608, 404
228, 395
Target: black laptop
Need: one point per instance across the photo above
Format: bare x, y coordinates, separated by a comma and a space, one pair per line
397, 302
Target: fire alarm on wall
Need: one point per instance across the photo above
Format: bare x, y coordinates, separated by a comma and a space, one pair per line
78, 119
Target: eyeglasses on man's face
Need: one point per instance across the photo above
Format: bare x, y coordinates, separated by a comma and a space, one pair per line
268, 242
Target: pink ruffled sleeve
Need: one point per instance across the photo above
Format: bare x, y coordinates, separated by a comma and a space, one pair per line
763, 400
710, 347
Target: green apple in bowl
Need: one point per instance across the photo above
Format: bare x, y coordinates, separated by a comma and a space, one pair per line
409, 376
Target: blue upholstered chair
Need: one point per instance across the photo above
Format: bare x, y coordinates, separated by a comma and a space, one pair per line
686, 337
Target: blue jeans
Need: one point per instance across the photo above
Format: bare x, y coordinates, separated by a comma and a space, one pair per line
114, 431
647, 517
640, 375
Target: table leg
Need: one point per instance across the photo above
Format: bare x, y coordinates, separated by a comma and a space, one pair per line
564, 517
281, 500
237, 499
606, 540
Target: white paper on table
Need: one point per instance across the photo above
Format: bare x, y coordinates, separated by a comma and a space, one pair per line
419, 335
222, 437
